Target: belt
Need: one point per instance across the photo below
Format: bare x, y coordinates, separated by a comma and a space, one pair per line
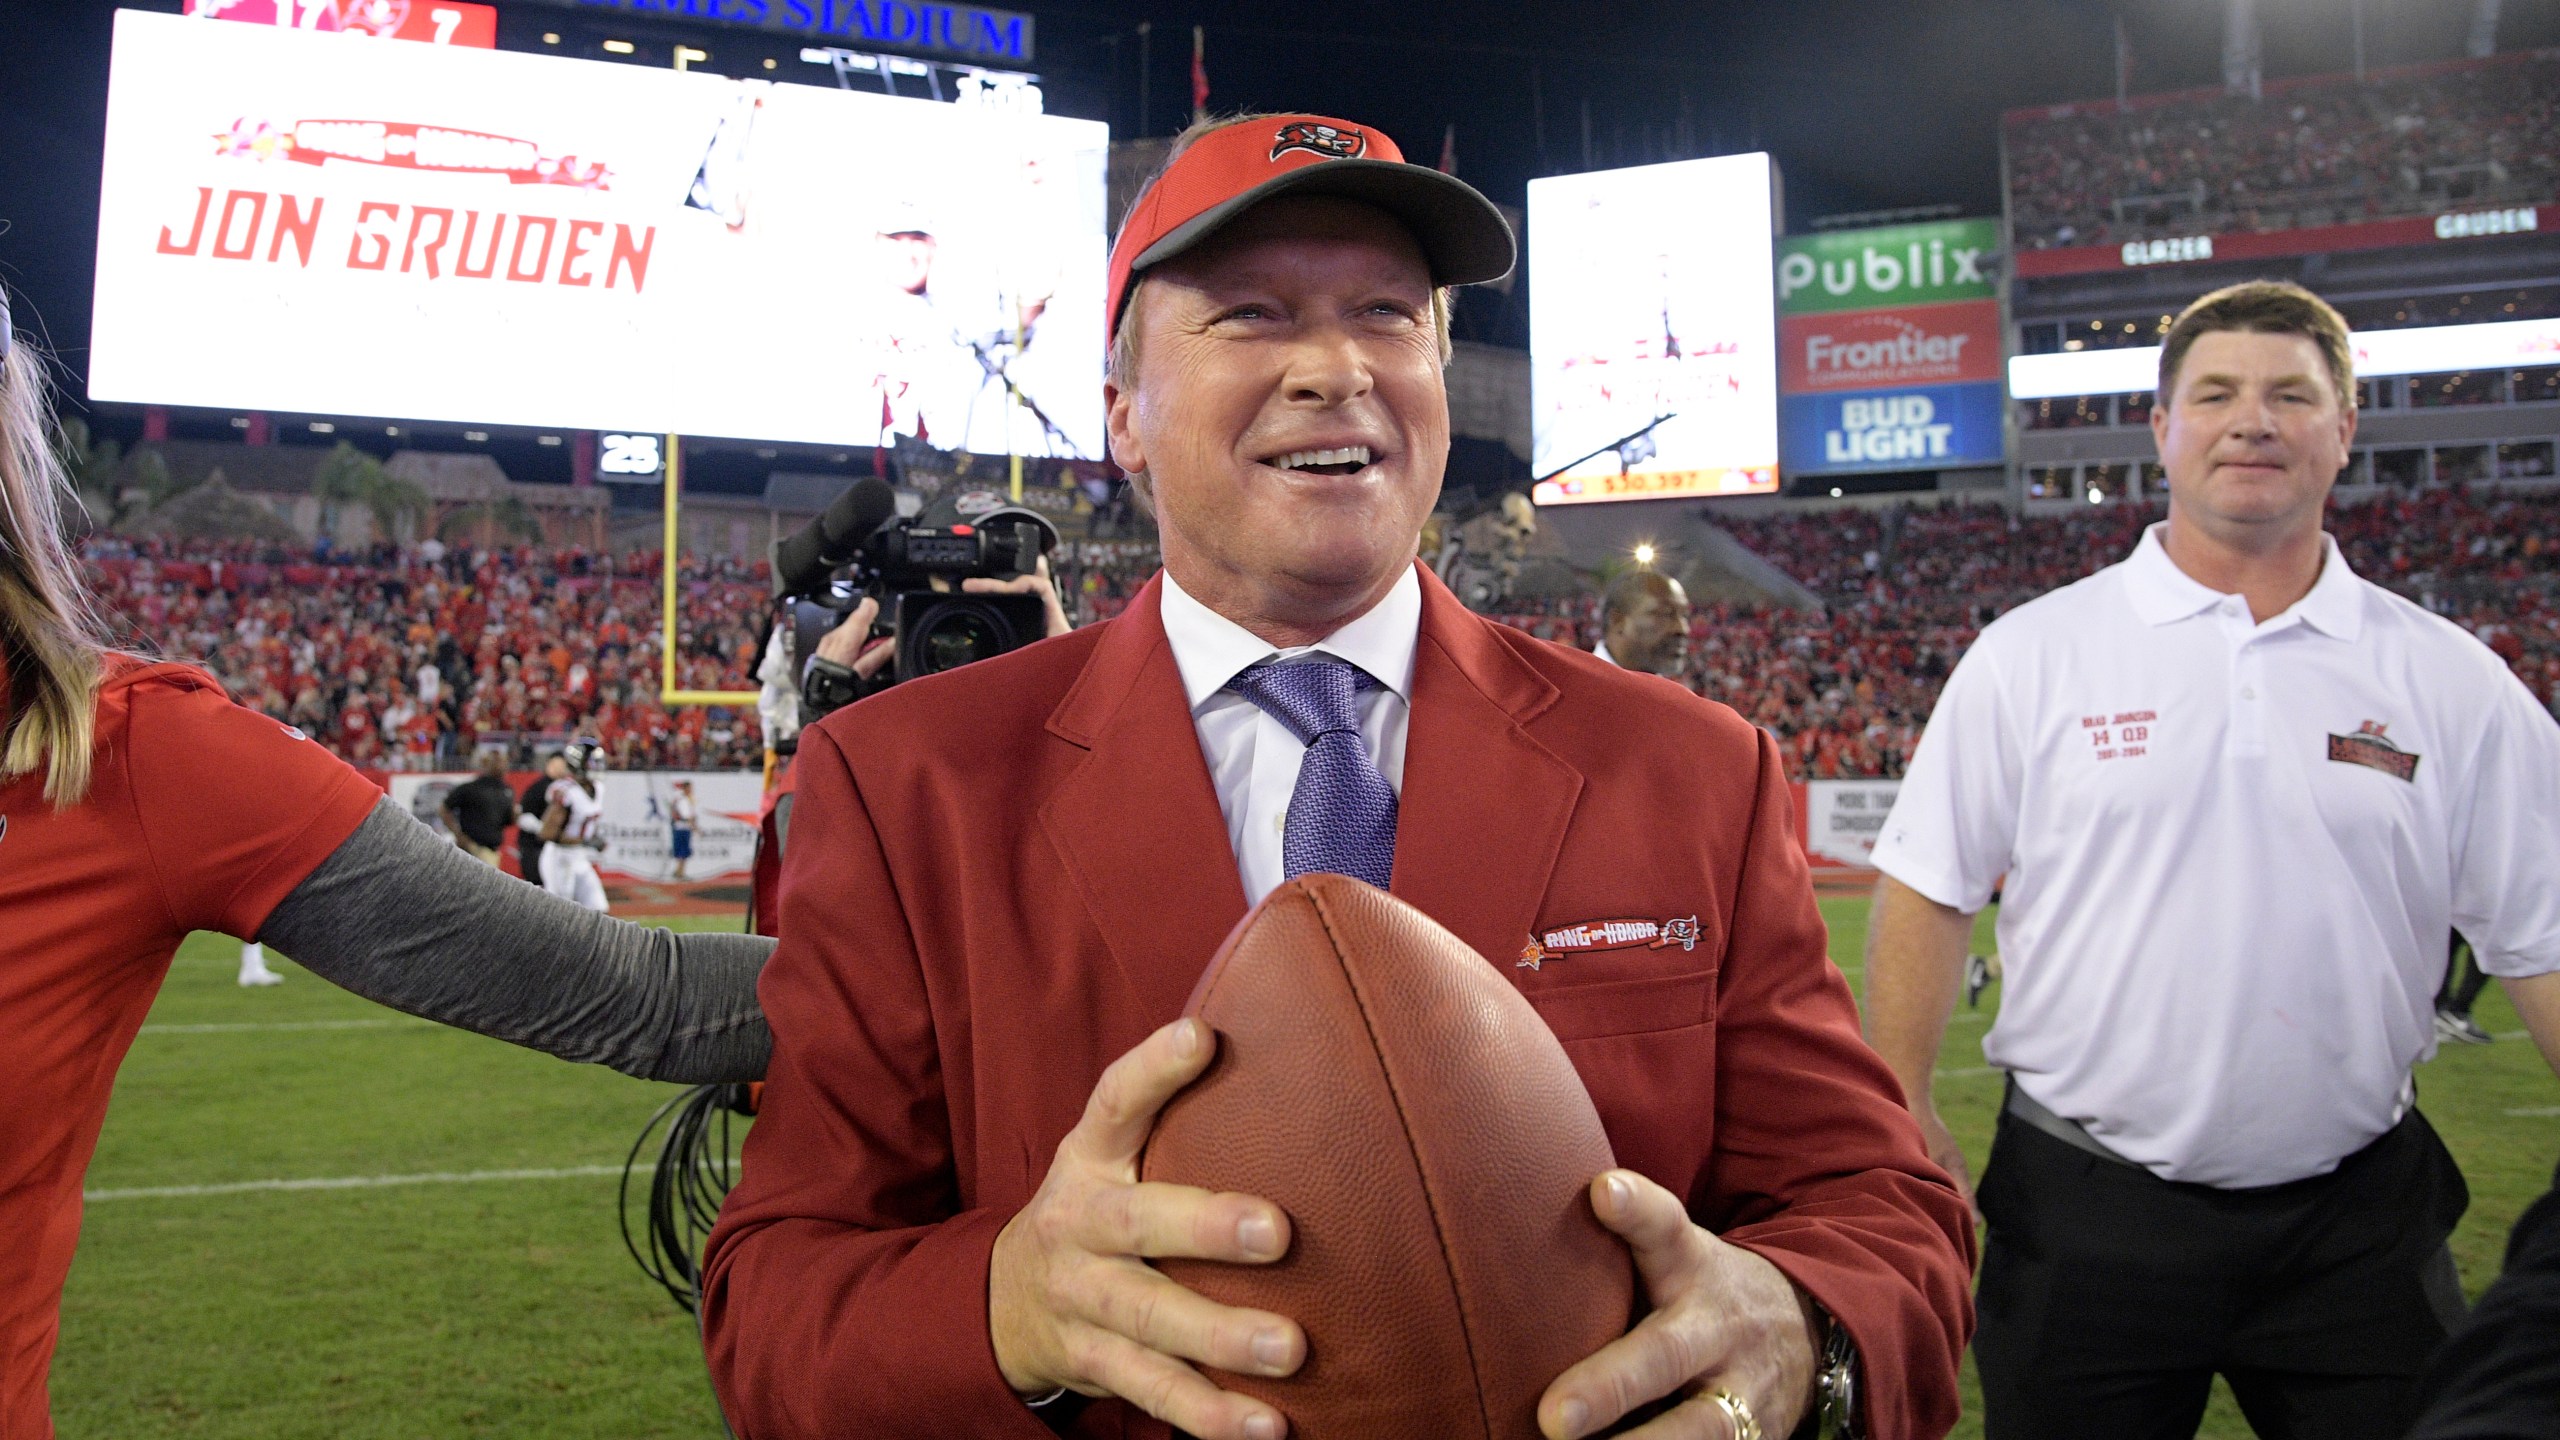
2024, 1108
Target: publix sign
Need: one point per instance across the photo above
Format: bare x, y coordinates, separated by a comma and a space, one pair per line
1896, 265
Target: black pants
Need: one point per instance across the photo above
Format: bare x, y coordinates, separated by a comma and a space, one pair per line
2463, 979
2110, 1297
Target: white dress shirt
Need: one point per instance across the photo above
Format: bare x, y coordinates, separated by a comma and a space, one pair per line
1253, 759
2233, 851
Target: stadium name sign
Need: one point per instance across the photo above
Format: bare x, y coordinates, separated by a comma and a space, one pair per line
2454, 225
964, 30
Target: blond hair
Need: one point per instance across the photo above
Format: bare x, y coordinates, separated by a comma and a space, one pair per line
49, 634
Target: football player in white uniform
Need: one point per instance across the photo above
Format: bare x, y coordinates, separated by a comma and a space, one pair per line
571, 827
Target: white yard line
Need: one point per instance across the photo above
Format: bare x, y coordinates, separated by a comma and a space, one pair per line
351, 1182
2536, 1112
246, 1027
1969, 1071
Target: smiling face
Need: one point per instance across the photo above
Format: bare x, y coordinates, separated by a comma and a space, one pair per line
2253, 436
1287, 407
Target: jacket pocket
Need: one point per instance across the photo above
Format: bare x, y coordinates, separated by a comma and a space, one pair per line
1625, 1007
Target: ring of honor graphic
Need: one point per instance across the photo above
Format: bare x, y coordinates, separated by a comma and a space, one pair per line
1585, 937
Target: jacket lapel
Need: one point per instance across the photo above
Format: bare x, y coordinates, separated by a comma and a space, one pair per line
1485, 807
1137, 824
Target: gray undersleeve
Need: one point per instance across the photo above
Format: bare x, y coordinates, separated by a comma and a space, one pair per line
399, 916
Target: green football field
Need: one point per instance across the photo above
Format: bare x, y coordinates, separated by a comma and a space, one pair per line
485, 1292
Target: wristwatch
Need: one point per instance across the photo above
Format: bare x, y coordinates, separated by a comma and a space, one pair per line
1835, 1385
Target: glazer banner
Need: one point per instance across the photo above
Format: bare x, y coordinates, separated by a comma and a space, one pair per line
291, 222
1890, 265
1653, 367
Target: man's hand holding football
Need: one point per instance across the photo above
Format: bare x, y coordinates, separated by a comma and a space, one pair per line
1071, 1301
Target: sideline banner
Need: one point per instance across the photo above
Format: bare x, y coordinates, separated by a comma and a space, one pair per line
1842, 819
725, 802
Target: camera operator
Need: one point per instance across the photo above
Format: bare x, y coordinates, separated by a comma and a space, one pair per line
843, 653
847, 661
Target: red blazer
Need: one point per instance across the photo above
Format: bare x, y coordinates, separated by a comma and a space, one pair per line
1002, 878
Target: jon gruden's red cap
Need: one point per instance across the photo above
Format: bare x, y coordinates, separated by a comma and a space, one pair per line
1235, 167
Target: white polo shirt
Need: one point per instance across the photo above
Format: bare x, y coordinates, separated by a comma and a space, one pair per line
2233, 853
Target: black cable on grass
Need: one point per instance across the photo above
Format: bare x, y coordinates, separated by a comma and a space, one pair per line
693, 1173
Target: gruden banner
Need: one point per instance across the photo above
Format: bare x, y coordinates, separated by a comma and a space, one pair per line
292, 222
637, 836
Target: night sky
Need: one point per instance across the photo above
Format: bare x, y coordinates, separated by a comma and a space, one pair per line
1867, 104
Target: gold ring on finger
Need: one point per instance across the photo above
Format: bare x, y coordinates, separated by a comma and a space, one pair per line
1737, 1413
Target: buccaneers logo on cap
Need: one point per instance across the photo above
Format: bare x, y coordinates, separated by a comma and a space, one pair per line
1332, 142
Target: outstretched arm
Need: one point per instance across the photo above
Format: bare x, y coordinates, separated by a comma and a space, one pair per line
398, 916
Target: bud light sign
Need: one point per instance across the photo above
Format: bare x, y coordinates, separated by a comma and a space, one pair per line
1925, 427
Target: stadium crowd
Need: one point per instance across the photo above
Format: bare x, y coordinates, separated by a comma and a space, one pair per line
1847, 688
411, 659
2323, 151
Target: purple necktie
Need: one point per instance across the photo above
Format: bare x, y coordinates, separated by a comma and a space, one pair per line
1342, 815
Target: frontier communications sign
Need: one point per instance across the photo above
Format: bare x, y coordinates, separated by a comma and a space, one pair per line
1889, 349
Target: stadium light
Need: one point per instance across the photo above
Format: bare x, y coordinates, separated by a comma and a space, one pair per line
1644, 553
1835, 492
476, 437
620, 47
550, 37
323, 427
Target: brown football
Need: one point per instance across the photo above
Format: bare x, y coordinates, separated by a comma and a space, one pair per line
1433, 1147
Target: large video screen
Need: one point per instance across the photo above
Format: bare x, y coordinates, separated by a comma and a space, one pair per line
302, 222
1652, 332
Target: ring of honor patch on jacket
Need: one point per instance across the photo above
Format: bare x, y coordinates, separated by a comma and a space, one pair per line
1585, 937
2374, 750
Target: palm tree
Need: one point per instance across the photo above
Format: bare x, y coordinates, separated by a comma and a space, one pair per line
482, 523
100, 473
347, 475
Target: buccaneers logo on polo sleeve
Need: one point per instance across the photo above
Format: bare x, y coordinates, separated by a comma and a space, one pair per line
1331, 142
2374, 750
1584, 937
